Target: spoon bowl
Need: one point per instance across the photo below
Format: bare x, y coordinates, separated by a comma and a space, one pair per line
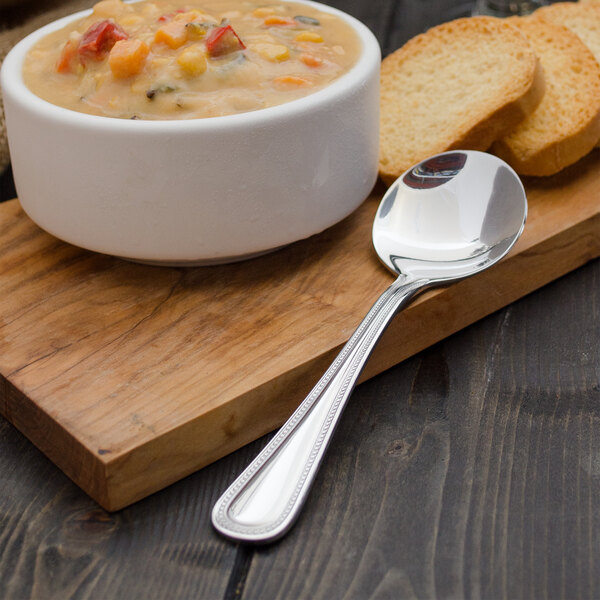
449, 217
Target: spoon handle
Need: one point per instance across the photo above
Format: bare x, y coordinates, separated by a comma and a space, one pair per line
264, 501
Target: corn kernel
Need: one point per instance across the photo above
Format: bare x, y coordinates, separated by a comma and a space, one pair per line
308, 36
273, 52
262, 12
193, 60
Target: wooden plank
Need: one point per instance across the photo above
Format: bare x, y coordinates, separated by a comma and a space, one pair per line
56, 543
468, 471
130, 377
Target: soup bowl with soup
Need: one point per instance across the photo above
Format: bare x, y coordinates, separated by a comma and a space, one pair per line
196, 132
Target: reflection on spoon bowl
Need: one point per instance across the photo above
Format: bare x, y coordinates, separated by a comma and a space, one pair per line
449, 215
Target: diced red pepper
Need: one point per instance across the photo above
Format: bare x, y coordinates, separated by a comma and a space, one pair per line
99, 39
223, 40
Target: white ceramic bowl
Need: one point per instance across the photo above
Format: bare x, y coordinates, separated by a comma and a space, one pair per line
195, 191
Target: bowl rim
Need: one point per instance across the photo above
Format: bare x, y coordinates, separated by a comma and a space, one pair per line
12, 83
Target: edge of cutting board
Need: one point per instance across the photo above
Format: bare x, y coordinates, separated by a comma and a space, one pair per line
562, 233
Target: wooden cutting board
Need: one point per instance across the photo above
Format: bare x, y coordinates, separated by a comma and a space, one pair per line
130, 377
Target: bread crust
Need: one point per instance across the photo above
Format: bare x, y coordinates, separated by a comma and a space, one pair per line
482, 120
554, 157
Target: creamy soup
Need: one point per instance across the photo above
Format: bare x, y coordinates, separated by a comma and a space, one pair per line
165, 59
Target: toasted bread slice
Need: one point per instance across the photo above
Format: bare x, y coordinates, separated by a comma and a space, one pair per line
582, 18
566, 124
462, 84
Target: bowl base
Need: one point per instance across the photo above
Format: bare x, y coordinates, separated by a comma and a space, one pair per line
205, 262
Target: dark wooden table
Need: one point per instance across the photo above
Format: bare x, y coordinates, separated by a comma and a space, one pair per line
469, 471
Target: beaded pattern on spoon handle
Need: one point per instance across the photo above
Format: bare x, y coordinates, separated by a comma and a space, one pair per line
381, 311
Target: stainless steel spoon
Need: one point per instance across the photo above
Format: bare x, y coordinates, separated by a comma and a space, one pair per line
448, 217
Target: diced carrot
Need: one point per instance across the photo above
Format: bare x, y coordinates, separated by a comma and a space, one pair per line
291, 81
311, 61
66, 61
173, 34
127, 57
277, 20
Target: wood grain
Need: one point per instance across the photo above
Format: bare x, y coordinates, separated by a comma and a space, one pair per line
56, 543
468, 471
130, 377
